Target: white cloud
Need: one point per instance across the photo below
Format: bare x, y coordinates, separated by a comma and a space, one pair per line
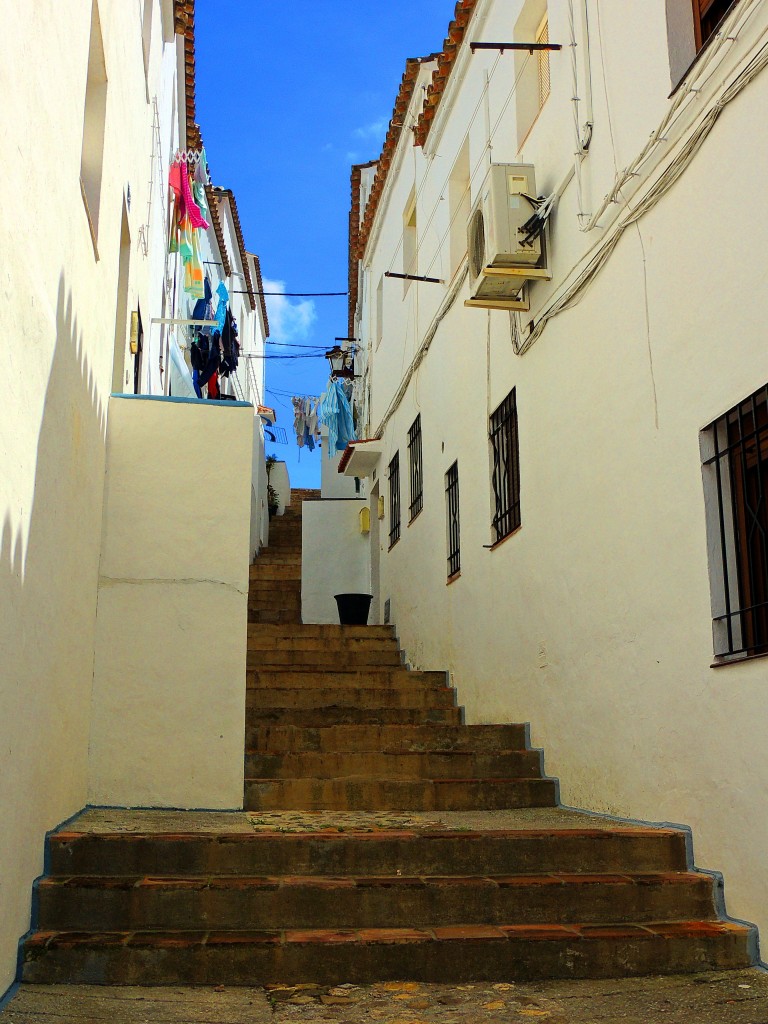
374, 130
289, 319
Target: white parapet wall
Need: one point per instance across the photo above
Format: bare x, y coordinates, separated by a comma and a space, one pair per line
171, 634
335, 557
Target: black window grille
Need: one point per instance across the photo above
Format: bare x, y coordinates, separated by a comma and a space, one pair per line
505, 473
414, 464
735, 449
452, 518
394, 500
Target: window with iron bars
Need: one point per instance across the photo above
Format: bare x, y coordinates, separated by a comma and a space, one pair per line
452, 519
505, 468
394, 500
414, 465
735, 469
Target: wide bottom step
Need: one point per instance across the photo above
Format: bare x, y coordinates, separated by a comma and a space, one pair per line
454, 953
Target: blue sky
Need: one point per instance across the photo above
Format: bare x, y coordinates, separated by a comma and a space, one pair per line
289, 95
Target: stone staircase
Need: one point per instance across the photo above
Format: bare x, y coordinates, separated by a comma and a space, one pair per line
386, 840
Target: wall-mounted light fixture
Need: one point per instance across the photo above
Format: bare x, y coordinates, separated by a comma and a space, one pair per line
342, 361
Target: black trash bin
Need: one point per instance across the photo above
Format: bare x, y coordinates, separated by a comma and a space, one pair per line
353, 608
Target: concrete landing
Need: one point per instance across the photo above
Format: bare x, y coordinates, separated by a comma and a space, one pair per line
115, 821
737, 997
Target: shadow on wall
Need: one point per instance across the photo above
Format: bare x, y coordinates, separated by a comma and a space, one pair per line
48, 592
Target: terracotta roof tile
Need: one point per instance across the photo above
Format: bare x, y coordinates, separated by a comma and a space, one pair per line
213, 208
354, 234
229, 194
404, 96
184, 22
445, 61
260, 290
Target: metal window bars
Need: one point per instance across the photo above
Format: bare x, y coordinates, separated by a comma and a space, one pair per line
452, 519
505, 475
415, 467
394, 500
737, 469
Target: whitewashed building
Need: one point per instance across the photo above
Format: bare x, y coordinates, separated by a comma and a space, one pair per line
106, 482
568, 439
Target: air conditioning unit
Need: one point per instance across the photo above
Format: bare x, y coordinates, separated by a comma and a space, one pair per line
500, 262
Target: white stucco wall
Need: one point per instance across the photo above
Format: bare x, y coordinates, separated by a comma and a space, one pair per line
332, 483
279, 479
259, 510
57, 319
593, 620
335, 557
169, 673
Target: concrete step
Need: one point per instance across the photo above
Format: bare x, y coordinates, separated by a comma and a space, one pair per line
340, 645
328, 631
378, 678
412, 852
450, 954
395, 739
348, 697
391, 901
274, 597
312, 718
323, 659
276, 571
266, 586
275, 558
449, 765
274, 615
372, 794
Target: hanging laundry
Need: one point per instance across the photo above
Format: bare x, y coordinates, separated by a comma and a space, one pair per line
213, 360
334, 410
201, 174
221, 309
202, 310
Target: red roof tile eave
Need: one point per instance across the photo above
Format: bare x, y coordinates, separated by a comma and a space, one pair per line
260, 290
184, 23
445, 63
229, 194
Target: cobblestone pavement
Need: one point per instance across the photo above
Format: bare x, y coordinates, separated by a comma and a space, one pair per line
737, 997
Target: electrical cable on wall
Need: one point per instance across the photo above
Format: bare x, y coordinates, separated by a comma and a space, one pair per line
599, 254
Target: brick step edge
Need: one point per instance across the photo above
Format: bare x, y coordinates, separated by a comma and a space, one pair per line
449, 954
292, 901
501, 851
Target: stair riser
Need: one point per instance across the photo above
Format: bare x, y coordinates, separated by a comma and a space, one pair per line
339, 646
288, 960
271, 614
278, 601
370, 854
277, 739
285, 678
325, 630
262, 588
360, 903
516, 765
407, 795
311, 718
275, 572
347, 698
322, 660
